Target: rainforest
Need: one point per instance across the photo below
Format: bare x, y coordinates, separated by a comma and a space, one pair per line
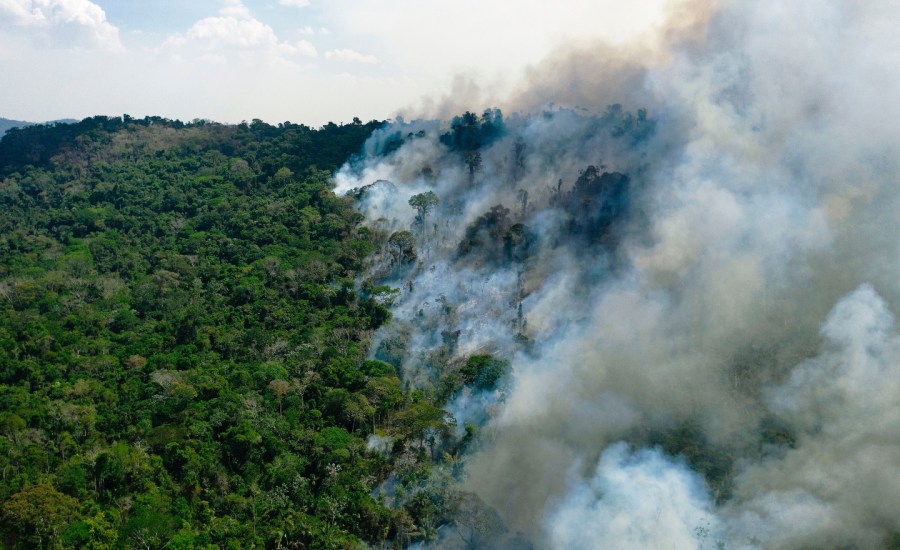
646, 299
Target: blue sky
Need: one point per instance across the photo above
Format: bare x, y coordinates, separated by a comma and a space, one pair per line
310, 61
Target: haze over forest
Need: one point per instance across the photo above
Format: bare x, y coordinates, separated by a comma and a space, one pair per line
644, 298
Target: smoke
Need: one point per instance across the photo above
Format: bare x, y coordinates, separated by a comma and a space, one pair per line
696, 299
635, 501
836, 486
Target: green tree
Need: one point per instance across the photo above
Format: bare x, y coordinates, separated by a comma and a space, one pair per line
38, 514
357, 408
419, 421
283, 176
385, 394
280, 388
423, 203
402, 245
483, 371
102, 532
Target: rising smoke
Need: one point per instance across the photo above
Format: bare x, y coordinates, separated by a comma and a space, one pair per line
696, 300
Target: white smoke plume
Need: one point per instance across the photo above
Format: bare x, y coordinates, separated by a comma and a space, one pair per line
634, 502
717, 293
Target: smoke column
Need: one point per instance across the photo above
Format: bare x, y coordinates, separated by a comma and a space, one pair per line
697, 300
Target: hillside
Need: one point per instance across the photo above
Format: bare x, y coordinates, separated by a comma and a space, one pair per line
182, 344
563, 329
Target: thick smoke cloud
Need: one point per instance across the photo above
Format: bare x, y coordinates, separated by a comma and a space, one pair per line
838, 485
713, 300
635, 501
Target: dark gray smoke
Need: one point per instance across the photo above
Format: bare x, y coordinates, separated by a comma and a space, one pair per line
697, 299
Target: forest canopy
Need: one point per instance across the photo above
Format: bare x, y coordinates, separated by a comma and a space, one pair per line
183, 343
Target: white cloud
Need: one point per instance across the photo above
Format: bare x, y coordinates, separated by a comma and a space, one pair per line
300, 47
309, 30
228, 31
294, 3
234, 8
235, 30
61, 23
19, 13
345, 54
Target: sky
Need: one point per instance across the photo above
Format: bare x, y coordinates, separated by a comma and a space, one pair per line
305, 61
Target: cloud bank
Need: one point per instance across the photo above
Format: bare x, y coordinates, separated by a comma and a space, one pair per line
61, 23
235, 34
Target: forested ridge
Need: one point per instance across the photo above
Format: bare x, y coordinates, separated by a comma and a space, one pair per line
183, 343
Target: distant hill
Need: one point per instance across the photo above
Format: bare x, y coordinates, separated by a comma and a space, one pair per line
6, 123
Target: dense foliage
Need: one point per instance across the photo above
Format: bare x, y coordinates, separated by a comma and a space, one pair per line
182, 344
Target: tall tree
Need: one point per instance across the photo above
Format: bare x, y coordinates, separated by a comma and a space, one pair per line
423, 203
